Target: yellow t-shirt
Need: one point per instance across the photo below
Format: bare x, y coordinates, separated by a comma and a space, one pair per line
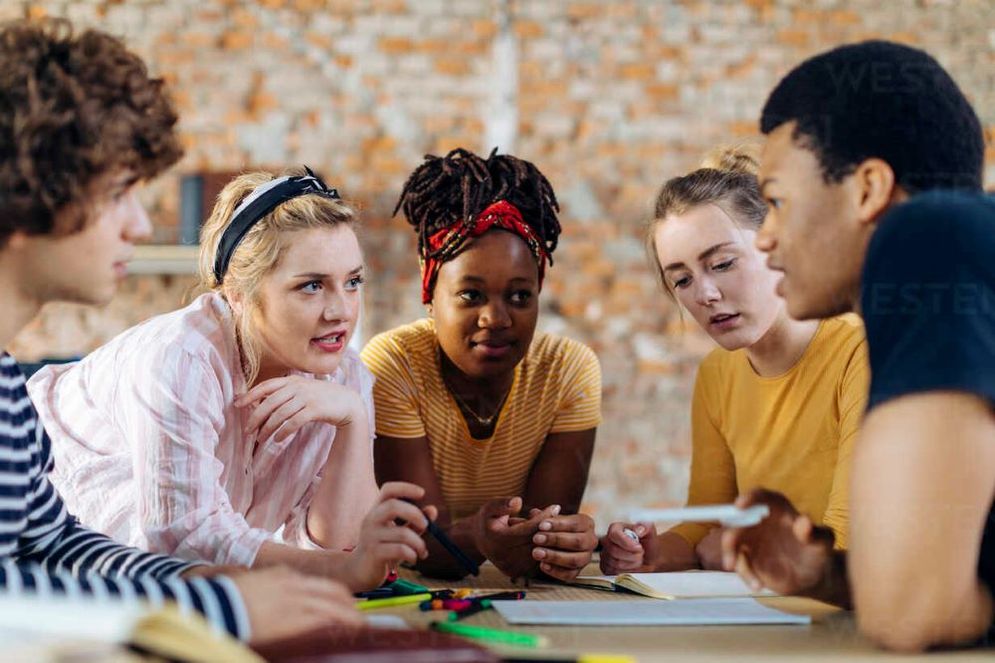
791, 433
556, 389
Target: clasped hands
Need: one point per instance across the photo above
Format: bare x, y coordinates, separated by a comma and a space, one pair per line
558, 545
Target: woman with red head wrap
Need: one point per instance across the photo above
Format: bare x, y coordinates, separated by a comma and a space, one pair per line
495, 421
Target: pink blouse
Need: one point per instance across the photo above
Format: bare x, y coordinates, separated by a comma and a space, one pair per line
150, 450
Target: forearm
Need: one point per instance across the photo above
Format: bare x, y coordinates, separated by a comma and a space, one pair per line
348, 489
325, 563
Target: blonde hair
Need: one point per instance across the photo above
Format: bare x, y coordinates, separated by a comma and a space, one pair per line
260, 250
727, 178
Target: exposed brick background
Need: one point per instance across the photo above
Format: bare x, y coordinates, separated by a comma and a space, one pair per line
608, 98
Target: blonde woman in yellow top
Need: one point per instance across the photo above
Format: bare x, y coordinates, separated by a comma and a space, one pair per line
495, 421
779, 402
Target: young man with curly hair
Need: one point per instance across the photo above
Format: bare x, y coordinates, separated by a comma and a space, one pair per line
872, 173
81, 122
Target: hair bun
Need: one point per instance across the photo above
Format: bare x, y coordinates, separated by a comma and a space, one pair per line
741, 158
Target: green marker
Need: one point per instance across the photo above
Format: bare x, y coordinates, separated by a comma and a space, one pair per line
494, 635
372, 604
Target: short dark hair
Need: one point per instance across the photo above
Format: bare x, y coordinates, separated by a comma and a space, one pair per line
73, 108
884, 100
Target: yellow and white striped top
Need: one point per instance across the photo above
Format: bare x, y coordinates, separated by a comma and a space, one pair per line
556, 389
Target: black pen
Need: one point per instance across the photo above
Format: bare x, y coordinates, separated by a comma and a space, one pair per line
468, 564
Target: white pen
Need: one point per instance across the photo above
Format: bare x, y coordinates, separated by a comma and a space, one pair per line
728, 515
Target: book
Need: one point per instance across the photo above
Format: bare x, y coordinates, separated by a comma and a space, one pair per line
698, 612
36, 624
375, 645
675, 585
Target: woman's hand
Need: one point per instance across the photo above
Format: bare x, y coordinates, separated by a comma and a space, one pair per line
505, 539
565, 544
282, 603
620, 553
288, 403
383, 542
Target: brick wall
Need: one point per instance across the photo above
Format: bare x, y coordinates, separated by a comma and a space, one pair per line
608, 98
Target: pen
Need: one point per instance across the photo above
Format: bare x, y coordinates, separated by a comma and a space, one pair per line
472, 609
501, 596
491, 634
373, 604
468, 564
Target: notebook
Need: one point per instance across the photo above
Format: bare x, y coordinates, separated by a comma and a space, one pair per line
699, 612
164, 631
677, 585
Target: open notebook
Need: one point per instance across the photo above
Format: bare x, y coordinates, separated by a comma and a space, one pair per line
33, 624
677, 585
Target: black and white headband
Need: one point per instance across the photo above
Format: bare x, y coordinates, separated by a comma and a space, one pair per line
263, 200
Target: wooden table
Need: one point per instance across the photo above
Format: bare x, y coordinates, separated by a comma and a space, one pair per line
831, 636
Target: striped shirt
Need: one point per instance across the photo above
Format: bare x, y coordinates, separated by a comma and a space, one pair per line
150, 449
44, 550
556, 389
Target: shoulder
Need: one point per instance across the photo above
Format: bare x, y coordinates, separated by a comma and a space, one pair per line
844, 333
919, 236
412, 343
555, 352
716, 364
12, 387
196, 340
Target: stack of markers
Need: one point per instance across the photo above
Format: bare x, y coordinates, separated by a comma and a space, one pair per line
462, 607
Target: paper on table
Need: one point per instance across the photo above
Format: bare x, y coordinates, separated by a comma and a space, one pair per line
700, 612
677, 585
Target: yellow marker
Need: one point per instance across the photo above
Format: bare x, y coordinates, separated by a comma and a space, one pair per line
463, 593
605, 658
373, 604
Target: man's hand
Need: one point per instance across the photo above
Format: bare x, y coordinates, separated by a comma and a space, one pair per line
785, 552
565, 544
282, 603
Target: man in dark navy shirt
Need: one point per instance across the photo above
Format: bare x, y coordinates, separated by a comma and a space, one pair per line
872, 171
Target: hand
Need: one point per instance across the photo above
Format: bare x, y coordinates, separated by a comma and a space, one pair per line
282, 603
709, 550
785, 552
568, 543
288, 403
505, 539
212, 570
620, 554
383, 543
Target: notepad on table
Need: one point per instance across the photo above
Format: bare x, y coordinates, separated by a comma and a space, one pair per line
699, 612
162, 631
675, 585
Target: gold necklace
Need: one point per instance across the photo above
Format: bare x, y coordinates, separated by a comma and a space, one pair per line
483, 422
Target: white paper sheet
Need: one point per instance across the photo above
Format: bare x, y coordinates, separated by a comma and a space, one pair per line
696, 612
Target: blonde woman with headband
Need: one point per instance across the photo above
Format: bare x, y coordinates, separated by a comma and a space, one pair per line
778, 403
238, 429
